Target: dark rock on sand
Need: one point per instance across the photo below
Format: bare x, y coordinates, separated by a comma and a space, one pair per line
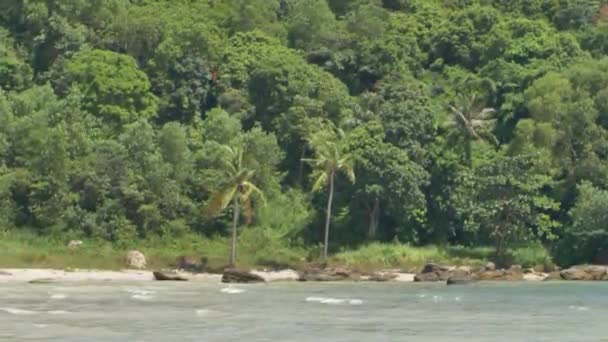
238, 276
168, 276
191, 263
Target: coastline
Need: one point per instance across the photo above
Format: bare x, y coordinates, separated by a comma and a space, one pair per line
43, 275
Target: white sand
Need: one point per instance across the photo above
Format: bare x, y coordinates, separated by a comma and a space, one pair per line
26, 275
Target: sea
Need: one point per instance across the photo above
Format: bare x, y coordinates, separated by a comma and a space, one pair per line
547, 311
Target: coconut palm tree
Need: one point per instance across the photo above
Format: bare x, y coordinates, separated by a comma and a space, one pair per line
237, 189
329, 158
472, 121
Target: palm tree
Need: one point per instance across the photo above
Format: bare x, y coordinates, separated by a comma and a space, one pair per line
472, 121
237, 189
329, 158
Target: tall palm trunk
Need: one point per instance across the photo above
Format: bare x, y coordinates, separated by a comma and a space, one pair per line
468, 151
328, 217
235, 220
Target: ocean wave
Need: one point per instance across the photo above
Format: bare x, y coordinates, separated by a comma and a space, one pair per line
333, 301
59, 296
14, 311
230, 290
142, 297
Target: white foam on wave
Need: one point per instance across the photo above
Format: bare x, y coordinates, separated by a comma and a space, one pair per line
142, 297
14, 311
140, 292
355, 302
579, 308
58, 296
458, 299
422, 295
231, 290
41, 326
333, 301
314, 299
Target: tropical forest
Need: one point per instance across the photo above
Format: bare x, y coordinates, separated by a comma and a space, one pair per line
377, 133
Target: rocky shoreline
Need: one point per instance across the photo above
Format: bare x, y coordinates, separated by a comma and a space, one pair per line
195, 269
430, 273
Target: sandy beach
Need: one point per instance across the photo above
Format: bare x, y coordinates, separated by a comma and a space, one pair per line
23, 275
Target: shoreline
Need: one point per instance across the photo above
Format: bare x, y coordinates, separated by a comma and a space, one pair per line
50, 276
430, 274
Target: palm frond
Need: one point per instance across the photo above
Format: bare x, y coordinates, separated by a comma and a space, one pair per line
251, 189
219, 201
320, 181
486, 113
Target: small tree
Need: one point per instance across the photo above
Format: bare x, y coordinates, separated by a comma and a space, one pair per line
503, 199
329, 158
237, 189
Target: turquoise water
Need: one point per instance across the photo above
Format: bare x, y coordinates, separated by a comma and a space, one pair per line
305, 312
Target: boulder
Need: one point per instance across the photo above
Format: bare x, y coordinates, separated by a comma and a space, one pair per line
490, 266
283, 275
585, 273
135, 259
427, 277
515, 269
74, 244
191, 263
459, 280
238, 276
321, 275
434, 268
500, 276
168, 276
434, 272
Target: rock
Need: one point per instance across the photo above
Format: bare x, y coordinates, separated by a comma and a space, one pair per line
490, 266
3, 273
237, 276
320, 276
515, 269
461, 280
135, 259
426, 277
74, 244
405, 277
168, 276
283, 275
500, 276
191, 263
434, 268
585, 273
535, 276
341, 271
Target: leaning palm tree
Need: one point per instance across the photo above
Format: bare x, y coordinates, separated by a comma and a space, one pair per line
329, 158
472, 121
237, 188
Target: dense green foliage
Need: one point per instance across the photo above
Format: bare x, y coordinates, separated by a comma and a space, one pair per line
474, 123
